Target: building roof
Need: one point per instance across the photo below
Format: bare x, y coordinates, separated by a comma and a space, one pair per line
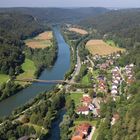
84, 127
76, 138
82, 109
86, 99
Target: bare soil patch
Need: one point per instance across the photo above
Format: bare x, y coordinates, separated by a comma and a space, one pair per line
78, 30
43, 40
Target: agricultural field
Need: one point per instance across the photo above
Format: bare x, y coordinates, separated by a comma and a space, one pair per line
78, 30
101, 48
43, 40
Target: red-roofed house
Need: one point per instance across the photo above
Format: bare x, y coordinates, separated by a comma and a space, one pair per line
83, 110
81, 131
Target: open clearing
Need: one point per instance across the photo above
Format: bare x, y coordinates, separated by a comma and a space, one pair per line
76, 97
43, 40
101, 48
3, 78
28, 68
78, 30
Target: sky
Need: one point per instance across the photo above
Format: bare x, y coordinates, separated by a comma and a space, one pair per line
70, 3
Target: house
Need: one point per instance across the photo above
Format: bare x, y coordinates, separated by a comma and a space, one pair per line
86, 100
114, 92
104, 66
116, 82
81, 131
91, 107
83, 110
114, 87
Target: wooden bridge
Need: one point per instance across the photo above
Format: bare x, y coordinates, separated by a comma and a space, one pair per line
43, 81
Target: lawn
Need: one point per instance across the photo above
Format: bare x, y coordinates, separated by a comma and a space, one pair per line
3, 78
101, 48
43, 40
29, 69
76, 97
85, 80
93, 123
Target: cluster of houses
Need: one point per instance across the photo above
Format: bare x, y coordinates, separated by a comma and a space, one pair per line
82, 131
105, 65
88, 105
109, 61
129, 74
102, 84
116, 80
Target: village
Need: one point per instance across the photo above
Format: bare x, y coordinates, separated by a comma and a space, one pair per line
109, 80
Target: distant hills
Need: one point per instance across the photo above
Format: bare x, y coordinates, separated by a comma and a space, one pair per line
59, 15
118, 24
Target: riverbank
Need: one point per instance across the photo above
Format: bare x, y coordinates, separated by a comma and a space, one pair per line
56, 72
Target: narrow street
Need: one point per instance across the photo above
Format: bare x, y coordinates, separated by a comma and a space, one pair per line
91, 133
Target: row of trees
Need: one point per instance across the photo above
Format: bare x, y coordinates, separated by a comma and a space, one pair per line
8, 89
41, 115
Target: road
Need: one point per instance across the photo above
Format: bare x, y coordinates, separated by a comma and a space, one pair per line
91, 133
92, 64
77, 69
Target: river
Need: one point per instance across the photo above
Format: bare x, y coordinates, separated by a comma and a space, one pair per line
57, 72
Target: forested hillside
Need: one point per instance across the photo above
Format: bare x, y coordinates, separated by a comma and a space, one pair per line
55, 15
123, 26
14, 27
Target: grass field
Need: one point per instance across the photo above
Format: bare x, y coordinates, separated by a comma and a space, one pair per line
38, 128
78, 30
43, 40
93, 123
111, 43
85, 80
28, 68
101, 48
3, 78
76, 97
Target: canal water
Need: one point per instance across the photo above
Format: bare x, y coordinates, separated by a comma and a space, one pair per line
57, 72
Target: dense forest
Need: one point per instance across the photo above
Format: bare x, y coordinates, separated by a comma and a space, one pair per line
57, 15
123, 26
14, 28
